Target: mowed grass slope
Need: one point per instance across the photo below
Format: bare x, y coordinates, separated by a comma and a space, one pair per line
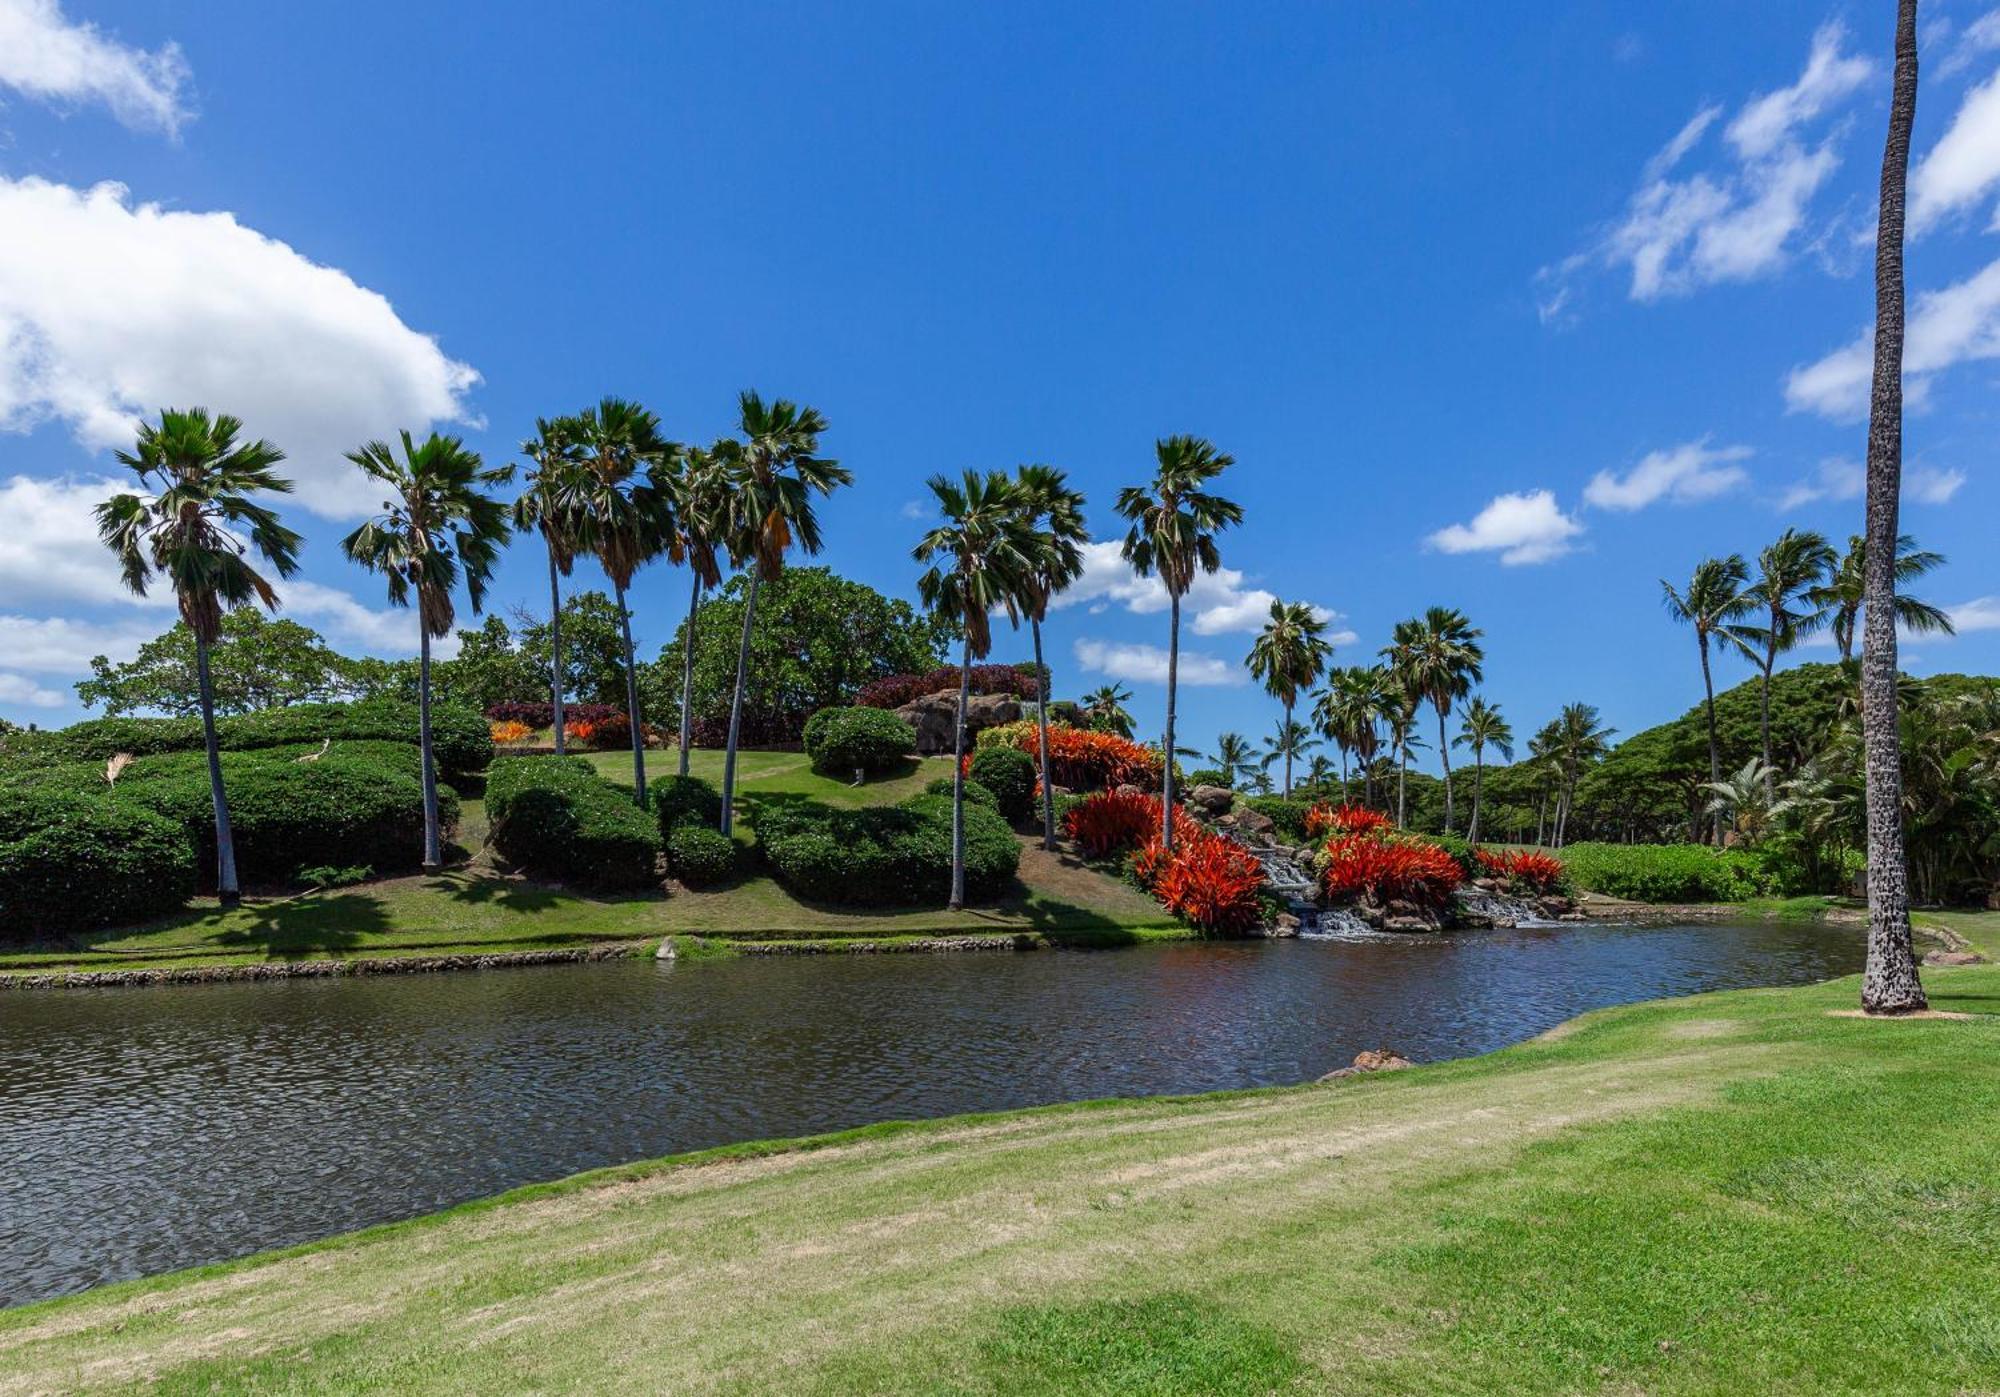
475, 909
1735, 1192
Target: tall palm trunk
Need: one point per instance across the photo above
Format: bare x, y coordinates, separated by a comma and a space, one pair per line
687, 674
225, 839
1343, 776
1288, 751
1542, 819
1714, 752
555, 648
433, 852
1173, 682
632, 703
1042, 722
1402, 779
958, 780
1478, 784
1889, 982
1444, 755
1764, 715
736, 705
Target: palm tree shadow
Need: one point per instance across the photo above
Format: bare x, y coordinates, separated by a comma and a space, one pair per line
309, 926
507, 894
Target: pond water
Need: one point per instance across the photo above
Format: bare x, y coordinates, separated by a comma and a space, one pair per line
148, 1129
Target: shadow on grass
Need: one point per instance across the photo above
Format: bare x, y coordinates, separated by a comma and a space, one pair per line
506, 894
307, 926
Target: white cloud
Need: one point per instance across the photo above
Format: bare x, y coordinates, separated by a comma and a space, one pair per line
1981, 36
62, 645
19, 690
1683, 474
1949, 326
348, 624
46, 56
1929, 485
918, 509
1979, 614
1964, 164
110, 310
1767, 122
1147, 664
49, 549
1835, 479
1527, 527
1218, 603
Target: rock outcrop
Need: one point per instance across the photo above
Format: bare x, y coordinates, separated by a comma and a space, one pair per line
934, 718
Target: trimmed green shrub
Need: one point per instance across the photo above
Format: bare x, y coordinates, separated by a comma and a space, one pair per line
681, 800
886, 855
700, 855
1209, 776
554, 817
1288, 815
1460, 851
1665, 872
844, 740
975, 793
1009, 773
73, 861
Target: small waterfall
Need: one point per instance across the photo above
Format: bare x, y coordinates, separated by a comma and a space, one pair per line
1286, 880
1501, 909
1339, 924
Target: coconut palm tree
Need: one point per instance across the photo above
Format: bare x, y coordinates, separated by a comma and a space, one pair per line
1788, 572
624, 514
1577, 740
982, 557
438, 528
1290, 654
1889, 981
549, 506
1232, 756
1718, 606
1400, 720
1842, 596
1174, 522
1349, 711
1054, 515
1105, 707
702, 488
1289, 741
1548, 775
1746, 799
777, 469
1482, 726
1438, 658
189, 528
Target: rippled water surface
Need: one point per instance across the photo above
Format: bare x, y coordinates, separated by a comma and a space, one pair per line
144, 1130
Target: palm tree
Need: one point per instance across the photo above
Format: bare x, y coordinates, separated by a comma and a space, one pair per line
549, 506
1717, 605
438, 528
701, 489
1105, 707
1480, 728
1788, 572
1174, 523
1288, 655
1843, 594
1576, 739
1400, 719
1289, 741
1438, 659
985, 554
199, 482
1054, 515
1746, 799
1542, 754
1232, 756
1349, 711
777, 470
625, 515
1889, 981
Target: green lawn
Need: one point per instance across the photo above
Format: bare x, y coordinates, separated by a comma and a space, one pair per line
474, 910
1730, 1193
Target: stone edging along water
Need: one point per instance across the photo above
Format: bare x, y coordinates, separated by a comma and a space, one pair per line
311, 969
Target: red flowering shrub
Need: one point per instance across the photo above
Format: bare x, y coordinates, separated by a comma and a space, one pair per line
1214, 883
1385, 869
1082, 760
1149, 861
895, 690
1344, 819
1526, 871
542, 714
1107, 822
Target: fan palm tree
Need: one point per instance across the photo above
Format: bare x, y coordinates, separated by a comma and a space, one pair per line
1232, 756
1053, 514
1174, 522
1889, 981
549, 506
199, 482
981, 559
1718, 606
1482, 726
1844, 593
702, 488
625, 515
1105, 707
437, 529
1289, 741
1788, 572
1288, 655
777, 469
1438, 658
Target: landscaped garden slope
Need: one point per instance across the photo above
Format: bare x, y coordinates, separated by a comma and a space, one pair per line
1735, 1192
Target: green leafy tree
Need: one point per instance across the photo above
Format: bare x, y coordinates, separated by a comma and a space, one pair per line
592, 652
490, 667
1175, 519
1482, 726
1745, 799
1287, 657
188, 527
1718, 606
438, 530
256, 663
1437, 659
1053, 513
1788, 571
552, 506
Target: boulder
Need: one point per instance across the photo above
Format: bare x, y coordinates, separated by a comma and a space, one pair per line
1418, 924
934, 718
1255, 822
1379, 1060
1215, 800
1952, 958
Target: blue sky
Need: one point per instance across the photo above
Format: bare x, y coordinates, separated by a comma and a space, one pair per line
1516, 308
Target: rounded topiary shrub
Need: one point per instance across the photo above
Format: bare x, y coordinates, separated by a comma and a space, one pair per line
887, 855
681, 800
700, 856
556, 818
844, 740
975, 794
1009, 773
73, 861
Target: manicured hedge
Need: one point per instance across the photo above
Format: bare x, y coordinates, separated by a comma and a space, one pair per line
680, 800
73, 861
899, 689
845, 740
556, 818
886, 855
700, 855
975, 793
1010, 774
1665, 872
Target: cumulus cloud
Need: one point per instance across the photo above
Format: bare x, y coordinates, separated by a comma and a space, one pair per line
47, 56
1965, 163
1218, 603
1979, 614
63, 645
1978, 38
1835, 479
1684, 474
1929, 485
1147, 664
20, 691
110, 310
1767, 122
1948, 326
1527, 527
49, 549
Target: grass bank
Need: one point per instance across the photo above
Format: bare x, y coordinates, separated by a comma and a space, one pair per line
1734, 1192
